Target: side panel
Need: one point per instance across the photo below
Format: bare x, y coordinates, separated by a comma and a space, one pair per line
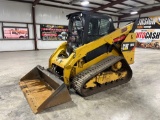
128, 48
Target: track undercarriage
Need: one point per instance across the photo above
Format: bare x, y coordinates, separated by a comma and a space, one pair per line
110, 72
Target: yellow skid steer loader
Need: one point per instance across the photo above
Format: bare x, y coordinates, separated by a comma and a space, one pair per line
95, 57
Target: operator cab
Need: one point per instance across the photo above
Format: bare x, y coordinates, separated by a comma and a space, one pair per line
85, 27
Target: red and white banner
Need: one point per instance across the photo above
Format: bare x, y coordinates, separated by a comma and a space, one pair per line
147, 35
148, 32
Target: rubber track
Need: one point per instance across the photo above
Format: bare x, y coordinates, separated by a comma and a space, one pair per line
80, 80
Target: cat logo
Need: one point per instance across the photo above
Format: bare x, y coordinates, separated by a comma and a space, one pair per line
125, 46
128, 46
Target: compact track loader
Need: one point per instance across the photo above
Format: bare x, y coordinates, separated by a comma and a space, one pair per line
95, 57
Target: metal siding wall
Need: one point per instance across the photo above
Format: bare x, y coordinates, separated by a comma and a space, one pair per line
1, 36
115, 19
15, 12
16, 45
122, 24
154, 13
21, 12
50, 15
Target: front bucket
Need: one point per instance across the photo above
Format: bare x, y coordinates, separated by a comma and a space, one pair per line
42, 89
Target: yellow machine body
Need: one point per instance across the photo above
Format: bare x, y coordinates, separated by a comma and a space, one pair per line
76, 57
45, 88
